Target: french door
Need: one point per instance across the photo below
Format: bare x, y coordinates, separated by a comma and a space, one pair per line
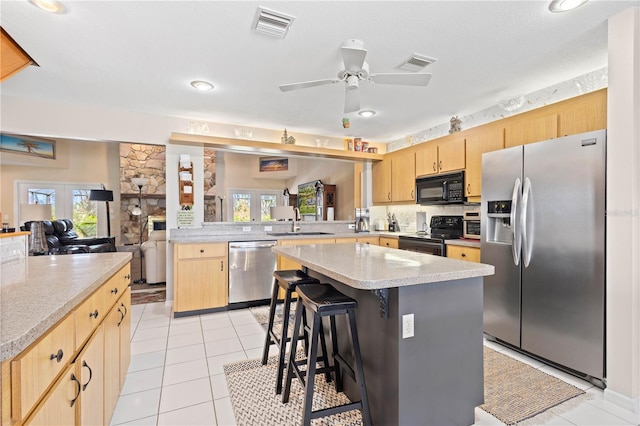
252, 205
68, 201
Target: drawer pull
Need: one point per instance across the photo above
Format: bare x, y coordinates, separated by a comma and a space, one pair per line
73, 378
84, 364
57, 356
464, 254
221, 265
201, 250
434, 166
125, 308
121, 316
93, 314
114, 291
128, 276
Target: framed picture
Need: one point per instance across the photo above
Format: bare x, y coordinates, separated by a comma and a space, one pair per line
28, 145
274, 164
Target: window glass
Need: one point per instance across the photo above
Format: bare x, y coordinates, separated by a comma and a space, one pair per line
241, 207
266, 201
85, 218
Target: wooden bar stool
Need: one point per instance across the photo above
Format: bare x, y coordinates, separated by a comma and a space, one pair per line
323, 300
287, 280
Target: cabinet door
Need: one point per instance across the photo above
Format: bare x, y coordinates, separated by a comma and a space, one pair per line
470, 254
529, 129
90, 372
389, 242
59, 406
381, 181
585, 114
124, 305
403, 175
200, 284
427, 159
484, 139
111, 362
451, 154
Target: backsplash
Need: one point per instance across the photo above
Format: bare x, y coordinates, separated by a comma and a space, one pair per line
406, 214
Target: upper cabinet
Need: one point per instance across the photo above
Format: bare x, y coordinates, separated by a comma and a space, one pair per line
535, 126
381, 181
442, 155
583, 114
480, 140
394, 178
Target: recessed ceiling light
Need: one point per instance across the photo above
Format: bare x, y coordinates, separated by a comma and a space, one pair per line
565, 5
51, 6
366, 113
202, 85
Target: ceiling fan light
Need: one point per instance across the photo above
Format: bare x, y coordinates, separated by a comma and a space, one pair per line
366, 113
201, 85
565, 5
352, 82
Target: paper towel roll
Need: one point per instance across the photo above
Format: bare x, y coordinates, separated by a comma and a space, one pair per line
330, 213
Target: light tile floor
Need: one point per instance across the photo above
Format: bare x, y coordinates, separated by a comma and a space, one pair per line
176, 377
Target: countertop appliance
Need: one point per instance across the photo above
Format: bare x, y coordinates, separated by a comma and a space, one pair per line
362, 220
441, 228
543, 228
440, 189
251, 266
471, 224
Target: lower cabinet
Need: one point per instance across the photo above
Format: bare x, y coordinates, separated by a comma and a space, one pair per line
200, 272
117, 330
470, 254
59, 406
388, 242
90, 373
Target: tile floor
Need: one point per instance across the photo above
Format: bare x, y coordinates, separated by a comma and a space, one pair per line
176, 376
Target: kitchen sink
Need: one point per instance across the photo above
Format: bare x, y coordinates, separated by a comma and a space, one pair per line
284, 234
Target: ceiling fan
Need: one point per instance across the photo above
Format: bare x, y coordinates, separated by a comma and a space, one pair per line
355, 70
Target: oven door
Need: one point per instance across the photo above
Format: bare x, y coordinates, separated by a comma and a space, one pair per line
421, 245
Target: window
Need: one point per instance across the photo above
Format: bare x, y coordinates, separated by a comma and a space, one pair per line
68, 201
252, 205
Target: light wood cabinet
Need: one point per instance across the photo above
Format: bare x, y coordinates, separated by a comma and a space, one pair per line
441, 155
530, 127
403, 176
90, 373
388, 242
88, 315
117, 349
116, 285
583, 114
381, 181
57, 407
470, 254
363, 240
200, 276
478, 141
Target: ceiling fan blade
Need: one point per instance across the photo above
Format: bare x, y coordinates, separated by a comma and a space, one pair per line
351, 101
353, 58
420, 79
305, 84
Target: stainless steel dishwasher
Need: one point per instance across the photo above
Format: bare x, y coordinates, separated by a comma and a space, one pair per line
251, 266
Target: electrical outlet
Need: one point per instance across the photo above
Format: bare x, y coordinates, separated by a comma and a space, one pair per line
407, 326
352, 226
268, 228
246, 229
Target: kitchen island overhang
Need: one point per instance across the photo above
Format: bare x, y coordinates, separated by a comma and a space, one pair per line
434, 377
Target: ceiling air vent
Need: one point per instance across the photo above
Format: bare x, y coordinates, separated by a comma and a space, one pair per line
272, 23
416, 62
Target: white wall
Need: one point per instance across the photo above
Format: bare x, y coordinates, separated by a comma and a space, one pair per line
623, 212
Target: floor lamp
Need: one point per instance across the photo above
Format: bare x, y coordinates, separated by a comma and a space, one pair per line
139, 182
103, 195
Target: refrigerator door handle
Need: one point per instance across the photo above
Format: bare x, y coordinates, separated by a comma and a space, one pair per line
515, 222
527, 222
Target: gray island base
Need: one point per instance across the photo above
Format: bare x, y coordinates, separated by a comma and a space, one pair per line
434, 377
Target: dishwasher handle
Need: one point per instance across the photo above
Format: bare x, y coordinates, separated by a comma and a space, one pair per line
252, 244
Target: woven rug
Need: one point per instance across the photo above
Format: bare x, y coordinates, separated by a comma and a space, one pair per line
514, 393
148, 293
261, 314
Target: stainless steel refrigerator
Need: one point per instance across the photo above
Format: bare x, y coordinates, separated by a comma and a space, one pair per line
543, 228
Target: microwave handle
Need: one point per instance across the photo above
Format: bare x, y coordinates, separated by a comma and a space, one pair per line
445, 191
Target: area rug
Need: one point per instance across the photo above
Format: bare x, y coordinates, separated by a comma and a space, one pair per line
148, 293
261, 314
515, 393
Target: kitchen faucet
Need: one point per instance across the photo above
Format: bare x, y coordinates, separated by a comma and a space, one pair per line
295, 226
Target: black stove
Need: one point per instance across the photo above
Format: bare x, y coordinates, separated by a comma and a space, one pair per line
441, 228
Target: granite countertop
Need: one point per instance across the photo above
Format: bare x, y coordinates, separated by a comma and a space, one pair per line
369, 267
38, 291
263, 236
463, 242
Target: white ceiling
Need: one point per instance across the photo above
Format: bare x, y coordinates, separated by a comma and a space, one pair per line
141, 56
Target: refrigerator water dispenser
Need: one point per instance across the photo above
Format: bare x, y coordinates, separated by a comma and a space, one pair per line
499, 226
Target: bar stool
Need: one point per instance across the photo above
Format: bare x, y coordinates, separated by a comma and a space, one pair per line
323, 300
288, 280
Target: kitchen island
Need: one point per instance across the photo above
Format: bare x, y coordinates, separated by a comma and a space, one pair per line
435, 376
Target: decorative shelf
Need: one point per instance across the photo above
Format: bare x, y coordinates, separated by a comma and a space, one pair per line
272, 148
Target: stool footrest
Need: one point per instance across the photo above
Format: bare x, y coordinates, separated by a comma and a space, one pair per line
345, 365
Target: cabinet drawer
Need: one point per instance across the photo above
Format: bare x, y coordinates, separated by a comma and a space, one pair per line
34, 369
199, 251
89, 315
116, 286
389, 242
470, 254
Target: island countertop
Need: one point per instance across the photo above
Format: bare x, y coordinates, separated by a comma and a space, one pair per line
38, 291
370, 267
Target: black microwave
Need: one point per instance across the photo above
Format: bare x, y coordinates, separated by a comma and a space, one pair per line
440, 189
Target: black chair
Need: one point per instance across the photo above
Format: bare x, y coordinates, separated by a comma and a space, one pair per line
323, 300
288, 281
